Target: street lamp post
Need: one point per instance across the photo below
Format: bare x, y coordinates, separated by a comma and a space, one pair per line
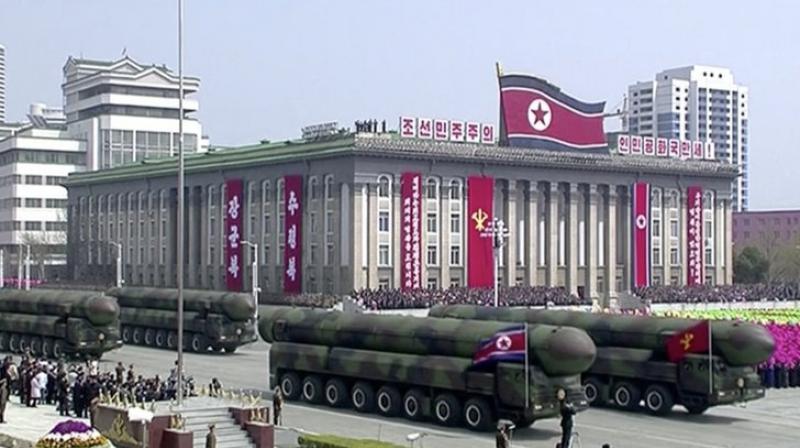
2, 269
498, 232
254, 276
181, 211
118, 281
27, 267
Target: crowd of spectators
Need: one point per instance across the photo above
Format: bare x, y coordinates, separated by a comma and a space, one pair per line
390, 299
722, 293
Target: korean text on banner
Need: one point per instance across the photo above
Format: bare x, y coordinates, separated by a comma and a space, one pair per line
411, 231
233, 234
641, 234
694, 235
293, 247
480, 262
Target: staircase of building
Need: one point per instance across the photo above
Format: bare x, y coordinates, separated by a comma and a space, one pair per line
229, 434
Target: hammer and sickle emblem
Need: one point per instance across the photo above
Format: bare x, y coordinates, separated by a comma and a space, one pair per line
480, 217
686, 341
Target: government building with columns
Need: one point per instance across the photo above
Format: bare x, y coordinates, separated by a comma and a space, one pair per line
568, 215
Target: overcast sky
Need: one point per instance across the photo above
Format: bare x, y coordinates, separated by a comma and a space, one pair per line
269, 67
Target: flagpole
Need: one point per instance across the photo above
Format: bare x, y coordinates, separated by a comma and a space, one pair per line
710, 366
527, 373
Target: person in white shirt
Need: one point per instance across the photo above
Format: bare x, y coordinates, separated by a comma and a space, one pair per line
41, 380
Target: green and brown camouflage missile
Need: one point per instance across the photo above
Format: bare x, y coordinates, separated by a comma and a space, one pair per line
420, 366
632, 364
52, 323
213, 320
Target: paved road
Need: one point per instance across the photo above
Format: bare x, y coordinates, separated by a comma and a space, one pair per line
772, 422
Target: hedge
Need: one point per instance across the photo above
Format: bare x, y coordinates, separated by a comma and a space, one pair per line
330, 441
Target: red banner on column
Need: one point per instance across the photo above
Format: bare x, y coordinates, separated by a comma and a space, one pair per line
410, 231
293, 248
480, 262
694, 235
641, 234
233, 234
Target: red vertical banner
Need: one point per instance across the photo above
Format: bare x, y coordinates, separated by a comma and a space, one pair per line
640, 204
233, 234
411, 231
480, 262
694, 235
293, 244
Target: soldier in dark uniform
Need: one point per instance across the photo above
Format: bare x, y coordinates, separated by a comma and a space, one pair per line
62, 392
277, 406
5, 389
120, 373
501, 436
567, 420
211, 437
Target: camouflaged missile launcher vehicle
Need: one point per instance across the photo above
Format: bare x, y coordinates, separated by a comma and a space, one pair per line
53, 323
632, 364
212, 319
421, 367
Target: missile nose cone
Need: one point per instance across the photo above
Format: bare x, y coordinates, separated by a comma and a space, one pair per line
572, 349
754, 343
102, 310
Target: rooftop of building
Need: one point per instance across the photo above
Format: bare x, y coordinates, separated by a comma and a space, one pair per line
783, 212
124, 66
391, 145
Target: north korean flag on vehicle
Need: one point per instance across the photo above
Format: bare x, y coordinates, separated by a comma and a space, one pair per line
537, 114
696, 339
509, 345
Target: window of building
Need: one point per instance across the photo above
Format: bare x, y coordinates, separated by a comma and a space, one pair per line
455, 189
432, 222
433, 255
33, 202
431, 189
433, 283
31, 179
455, 223
383, 255
328, 187
674, 259
455, 255
313, 188
384, 187
383, 221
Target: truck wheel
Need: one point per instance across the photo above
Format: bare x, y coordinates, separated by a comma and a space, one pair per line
478, 414
290, 386
389, 401
199, 343
161, 339
696, 409
591, 388
412, 404
172, 340
149, 337
126, 334
36, 346
47, 347
312, 389
363, 397
230, 349
24, 343
13, 343
658, 399
58, 349
626, 395
447, 409
137, 335
335, 393
3, 341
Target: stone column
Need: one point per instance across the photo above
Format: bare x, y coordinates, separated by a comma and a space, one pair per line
359, 228
720, 269
511, 243
624, 210
552, 219
611, 243
444, 236
372, 231
532, 237
572, 238
591, 243
728, 246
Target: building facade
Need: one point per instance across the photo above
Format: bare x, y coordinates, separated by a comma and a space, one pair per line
33, 202
766, 230
696, 103
126, 111
569, 215
2, 83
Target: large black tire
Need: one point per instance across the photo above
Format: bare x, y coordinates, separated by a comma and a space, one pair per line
198, 343
3, 341
172, 340
591, 388
161, 339
36, 346
363, 397
13, 343
150, 337
626, 395
230, 349
313, 389
389, 401
290, 386
137, 336
696, 409
126, 334
336, 393
58, 348
447, 409
24, 343
412, 404
47, 347
478, 414
658, 399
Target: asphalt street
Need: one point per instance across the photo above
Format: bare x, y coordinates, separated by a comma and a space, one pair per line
771, 422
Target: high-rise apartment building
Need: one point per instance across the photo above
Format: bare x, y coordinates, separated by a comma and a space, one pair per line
2, 83
126, 111
696, 103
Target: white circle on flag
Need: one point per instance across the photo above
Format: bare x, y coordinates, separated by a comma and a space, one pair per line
539, 115
503, 343
641, 222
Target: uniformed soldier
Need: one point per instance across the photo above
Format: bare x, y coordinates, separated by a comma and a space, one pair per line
501, 436
211, 437
277, 405
567, 413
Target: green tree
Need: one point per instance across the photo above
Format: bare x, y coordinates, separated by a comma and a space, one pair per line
750, 266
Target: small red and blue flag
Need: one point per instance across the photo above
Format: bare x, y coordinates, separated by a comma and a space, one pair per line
507, 345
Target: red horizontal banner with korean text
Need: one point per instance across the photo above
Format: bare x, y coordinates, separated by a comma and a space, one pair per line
233, 234
480, 260
410, 231
293, 248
